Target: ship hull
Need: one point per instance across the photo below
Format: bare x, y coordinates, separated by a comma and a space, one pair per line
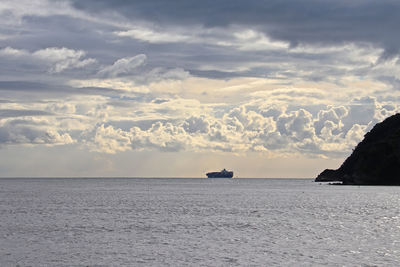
219, 175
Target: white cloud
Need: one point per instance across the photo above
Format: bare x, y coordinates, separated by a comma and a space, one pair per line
14, 12
54, 58
112, 125
123, 66
62, 108
332, 115
153, 36
31, 131
242, 129
233, 36
9, 51
296, 124
164, 137
252, 40
110, 140
63, 58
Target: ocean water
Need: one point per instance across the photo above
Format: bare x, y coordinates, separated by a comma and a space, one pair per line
197, 222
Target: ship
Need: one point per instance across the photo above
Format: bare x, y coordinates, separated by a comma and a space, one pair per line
222, 174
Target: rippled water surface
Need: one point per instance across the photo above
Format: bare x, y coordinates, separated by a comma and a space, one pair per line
210, 222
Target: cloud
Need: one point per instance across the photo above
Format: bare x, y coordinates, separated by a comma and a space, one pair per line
333, 131
110, 123
9, 51
37, 90
62, 58
296, 124
31, 131
274, 77
331, 115
56, 59
151, 36
196, 124
161, 136
123, 66
110, 140
306, 22
247, 42
10, 113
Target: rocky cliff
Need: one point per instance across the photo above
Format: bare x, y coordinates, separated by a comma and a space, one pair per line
374, 161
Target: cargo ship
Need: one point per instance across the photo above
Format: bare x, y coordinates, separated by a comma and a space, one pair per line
222, 174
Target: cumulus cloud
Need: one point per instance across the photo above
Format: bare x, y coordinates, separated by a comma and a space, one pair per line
331, 115
162, 136
247, 128
296, 124
196, 124
110, 140
177, 124
31, 131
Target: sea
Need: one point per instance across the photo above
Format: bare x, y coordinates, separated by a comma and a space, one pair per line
196, 222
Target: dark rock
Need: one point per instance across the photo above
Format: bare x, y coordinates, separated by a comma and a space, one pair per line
328, 175
374, 161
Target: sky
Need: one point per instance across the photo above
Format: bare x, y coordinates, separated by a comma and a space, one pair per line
177, 88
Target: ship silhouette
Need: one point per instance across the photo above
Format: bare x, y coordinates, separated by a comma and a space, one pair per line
222, 174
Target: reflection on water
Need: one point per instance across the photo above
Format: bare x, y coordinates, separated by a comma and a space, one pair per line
196, 222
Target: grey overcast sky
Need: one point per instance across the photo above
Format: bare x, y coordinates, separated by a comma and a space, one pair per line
177, 88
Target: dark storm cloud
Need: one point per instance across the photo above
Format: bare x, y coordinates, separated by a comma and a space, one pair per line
308, 21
